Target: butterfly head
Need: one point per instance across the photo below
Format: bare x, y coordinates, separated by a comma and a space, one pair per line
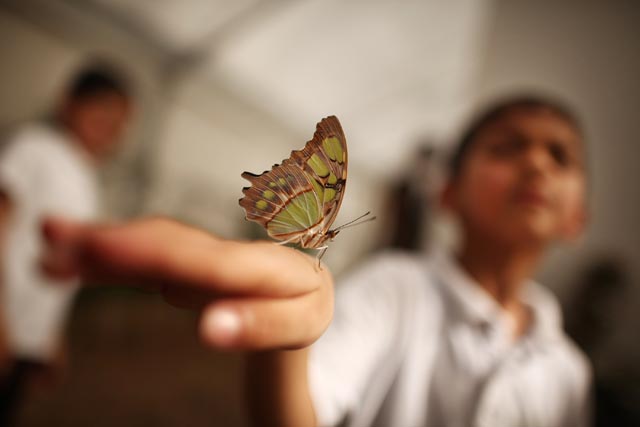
331, 234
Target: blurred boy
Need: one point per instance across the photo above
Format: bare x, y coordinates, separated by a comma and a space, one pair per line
48, 167
462, 339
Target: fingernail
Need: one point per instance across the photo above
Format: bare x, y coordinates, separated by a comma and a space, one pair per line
222, 326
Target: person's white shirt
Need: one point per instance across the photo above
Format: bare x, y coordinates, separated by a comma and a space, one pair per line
43, 172
414, 342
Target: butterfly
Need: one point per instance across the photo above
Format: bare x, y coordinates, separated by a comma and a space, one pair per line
298, 200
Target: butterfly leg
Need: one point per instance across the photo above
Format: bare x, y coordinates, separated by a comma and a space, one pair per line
321, 251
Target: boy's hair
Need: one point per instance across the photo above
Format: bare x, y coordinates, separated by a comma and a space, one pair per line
97, 79
496, 111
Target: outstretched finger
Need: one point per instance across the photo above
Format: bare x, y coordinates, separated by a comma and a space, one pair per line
154, 252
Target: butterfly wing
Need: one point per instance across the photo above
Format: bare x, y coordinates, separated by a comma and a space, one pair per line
282, 201
298, 200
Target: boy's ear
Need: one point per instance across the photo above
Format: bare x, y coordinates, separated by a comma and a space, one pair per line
447, 196
575, 224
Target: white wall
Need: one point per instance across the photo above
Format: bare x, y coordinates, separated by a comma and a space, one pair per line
26, 52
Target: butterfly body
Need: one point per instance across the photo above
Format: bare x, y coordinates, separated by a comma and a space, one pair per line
298, 200
316, 237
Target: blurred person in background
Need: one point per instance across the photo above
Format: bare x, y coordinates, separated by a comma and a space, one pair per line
49, 167
455, 339
411, 202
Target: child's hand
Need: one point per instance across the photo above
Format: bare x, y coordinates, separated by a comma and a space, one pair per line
252, 295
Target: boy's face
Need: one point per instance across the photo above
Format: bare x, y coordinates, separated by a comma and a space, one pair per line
98, 121
522, 181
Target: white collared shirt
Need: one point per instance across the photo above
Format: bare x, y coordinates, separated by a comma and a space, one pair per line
415, 342
43, 172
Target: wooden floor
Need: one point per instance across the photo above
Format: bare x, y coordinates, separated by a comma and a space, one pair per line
135, 361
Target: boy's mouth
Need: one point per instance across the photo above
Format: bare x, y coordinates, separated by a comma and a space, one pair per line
532, 197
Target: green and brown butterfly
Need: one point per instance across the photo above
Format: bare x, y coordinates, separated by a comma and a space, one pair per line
298, 200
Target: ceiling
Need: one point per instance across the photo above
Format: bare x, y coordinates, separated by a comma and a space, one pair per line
394, 74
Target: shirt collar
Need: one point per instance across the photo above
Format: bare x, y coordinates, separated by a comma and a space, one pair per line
476, 306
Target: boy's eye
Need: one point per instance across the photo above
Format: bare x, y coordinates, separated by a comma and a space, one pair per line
561, 155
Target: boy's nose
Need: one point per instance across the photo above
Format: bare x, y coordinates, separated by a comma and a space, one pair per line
537, 159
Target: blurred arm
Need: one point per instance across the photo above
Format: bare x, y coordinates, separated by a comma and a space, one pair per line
277, 388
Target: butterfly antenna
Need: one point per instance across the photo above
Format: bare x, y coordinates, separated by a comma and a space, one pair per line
355, 222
